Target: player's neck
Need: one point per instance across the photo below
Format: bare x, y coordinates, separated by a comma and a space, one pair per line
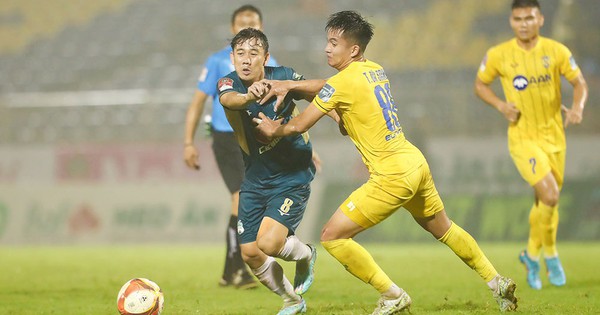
528, 44
345, 65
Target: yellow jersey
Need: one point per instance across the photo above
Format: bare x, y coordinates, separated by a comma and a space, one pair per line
361, 95
531, 80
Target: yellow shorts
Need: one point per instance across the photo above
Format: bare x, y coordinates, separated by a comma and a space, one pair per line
381, 196
533, 162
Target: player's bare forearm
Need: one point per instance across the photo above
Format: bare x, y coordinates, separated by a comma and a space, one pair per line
580, 93
236, 101
486, 94
192, 116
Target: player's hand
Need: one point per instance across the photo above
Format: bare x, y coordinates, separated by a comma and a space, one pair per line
572, 116
317, 161
190, 157
256, 91
510, 112
266, 126
275, 88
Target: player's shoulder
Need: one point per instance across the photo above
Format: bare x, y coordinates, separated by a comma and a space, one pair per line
503, 46
552, 44
282, 73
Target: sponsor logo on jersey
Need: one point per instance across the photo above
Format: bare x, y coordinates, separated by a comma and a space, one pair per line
225, 84
520, 82
573, 63
326, 92
269, 146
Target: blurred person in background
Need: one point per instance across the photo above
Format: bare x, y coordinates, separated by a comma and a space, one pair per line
360, 94
225, 147
530, 67
276, 186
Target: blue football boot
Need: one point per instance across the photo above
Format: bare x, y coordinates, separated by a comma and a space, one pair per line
533, 270
556, 273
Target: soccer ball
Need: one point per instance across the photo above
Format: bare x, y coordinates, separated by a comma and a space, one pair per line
140, 296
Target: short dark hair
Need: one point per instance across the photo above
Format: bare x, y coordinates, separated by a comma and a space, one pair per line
244, 8
248, 34
353, 27
525, 4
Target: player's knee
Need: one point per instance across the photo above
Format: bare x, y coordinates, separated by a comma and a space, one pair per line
326, 235
250, 254
270, 245
550, 198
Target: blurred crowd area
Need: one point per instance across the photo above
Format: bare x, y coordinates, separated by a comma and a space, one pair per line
120, 71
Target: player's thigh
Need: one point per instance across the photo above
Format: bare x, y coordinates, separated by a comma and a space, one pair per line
531, 161
426, 201
377, 199
229, 159
287, 205
251, 211
557, 164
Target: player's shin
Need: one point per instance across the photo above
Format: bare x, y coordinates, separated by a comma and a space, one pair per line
294, 250
549, 227
534, 243
465, 247
358, 262
271, 275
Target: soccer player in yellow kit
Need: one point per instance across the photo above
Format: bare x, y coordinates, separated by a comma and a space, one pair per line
529, 67
360, 97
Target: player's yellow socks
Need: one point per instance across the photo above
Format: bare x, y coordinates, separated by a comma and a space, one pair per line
534, 243
548, 227
357, 260
465, 247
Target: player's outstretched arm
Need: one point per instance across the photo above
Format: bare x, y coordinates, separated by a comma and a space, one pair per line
574, 115
280, 88
238, 101
485, 93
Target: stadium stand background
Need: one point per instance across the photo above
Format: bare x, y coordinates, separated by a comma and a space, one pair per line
83, 83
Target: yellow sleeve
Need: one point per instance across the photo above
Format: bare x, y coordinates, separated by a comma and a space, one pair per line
332, 94
488, 69
566, 63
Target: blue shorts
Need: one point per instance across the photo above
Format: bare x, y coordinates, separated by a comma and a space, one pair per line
285, 205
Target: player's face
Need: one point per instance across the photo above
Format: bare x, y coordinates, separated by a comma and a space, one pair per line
249, 59
246, 19
340, 52
526, 23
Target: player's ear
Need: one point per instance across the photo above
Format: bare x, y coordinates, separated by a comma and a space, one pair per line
231, 58
267, 56
355, 51
541, 20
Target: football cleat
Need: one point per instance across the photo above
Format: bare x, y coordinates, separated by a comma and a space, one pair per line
556, 273
533, 270
305, 273
294, 309
395, 306
505, 294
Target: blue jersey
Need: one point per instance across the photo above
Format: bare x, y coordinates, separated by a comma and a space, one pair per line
283, 162
217, 66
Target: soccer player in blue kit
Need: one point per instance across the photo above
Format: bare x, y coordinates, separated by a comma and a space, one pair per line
225, 147
276, 185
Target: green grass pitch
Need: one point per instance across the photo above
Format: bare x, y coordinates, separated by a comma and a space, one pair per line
85, 280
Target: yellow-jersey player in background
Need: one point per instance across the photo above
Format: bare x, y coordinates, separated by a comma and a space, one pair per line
360, 94
529, 67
